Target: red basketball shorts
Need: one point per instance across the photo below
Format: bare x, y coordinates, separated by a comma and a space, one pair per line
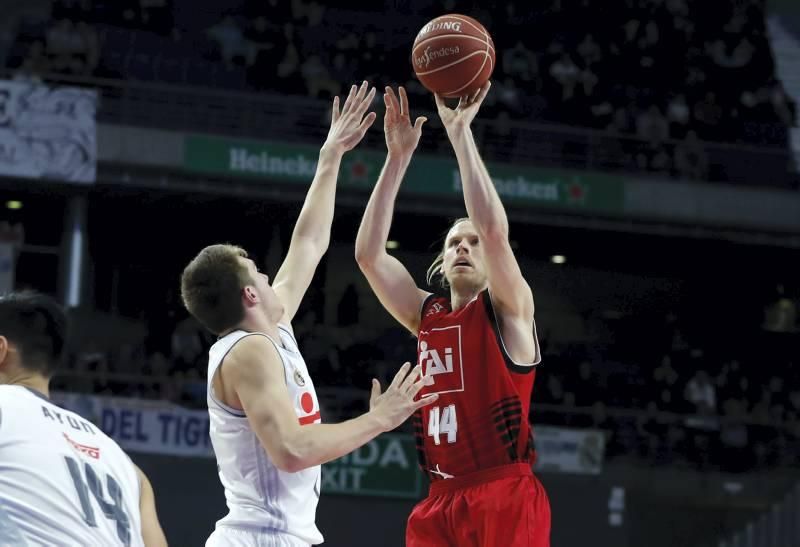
499, 507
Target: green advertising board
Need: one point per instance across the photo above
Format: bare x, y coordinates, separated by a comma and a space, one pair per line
426, 176
386, 467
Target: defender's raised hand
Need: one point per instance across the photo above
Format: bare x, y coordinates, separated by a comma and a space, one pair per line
396, 404
401, 137
460, 117
349, 126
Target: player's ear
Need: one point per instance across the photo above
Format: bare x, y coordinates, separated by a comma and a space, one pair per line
249, 295
3, 351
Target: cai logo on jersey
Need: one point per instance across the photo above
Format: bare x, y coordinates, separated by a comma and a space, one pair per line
439, 354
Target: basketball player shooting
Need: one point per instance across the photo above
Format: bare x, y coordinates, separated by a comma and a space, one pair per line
266, 427
477, 348
62, 480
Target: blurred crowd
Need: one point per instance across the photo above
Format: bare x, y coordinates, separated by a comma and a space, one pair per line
670, 74
665, 389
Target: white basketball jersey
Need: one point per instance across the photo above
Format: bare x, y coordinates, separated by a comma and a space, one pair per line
62, 480
259, 495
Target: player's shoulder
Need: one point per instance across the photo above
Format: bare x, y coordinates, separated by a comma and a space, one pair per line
250, 356
434, 305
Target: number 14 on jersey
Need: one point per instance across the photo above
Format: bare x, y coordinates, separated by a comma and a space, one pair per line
442, 421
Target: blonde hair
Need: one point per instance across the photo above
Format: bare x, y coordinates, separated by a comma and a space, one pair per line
435, 269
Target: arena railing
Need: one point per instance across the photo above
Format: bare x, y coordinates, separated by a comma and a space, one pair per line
339, 403
302, 119
779, 526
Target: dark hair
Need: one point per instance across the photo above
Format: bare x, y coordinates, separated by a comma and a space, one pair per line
37, 326
211, 287
435, 269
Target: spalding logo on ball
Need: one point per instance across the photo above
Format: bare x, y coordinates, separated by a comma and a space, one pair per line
453, 55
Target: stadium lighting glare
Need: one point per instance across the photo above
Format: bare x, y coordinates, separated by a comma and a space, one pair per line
558, 259
13, 204
392, 244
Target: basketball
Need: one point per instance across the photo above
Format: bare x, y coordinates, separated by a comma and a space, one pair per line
453, 55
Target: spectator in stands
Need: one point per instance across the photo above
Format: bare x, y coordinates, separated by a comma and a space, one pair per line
690, 159
231, 41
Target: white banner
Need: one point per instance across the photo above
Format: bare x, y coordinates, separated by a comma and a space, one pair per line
569, 450
48, 133
150, 427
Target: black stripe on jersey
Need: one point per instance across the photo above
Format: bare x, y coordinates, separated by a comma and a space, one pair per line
515, 404
505, 401
512, 366
507, 418
502, 422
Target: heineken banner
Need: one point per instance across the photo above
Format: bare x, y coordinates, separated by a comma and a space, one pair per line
427, 175
47, 133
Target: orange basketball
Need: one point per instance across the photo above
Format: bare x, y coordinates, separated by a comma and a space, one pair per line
453, 55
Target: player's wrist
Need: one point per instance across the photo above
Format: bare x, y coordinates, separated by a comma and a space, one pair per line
399, 156
331, 151
379, 420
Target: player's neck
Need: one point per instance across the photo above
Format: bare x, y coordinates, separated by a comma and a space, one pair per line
36, 382
261, 323
463, 296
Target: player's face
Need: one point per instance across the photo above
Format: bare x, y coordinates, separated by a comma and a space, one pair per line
269, 300
463, 257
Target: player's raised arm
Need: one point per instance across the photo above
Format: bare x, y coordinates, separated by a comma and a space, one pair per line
312, 231
387, 276
257, 376
152, 534
509, 290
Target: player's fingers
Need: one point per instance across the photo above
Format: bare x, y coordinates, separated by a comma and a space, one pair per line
425, 401
439, 101
362, 90
348, 103
335, 110
411, 379
418, 385
393, 98
401, 374
366, 102
419, 122
482, 92
375, 391
403, 102
367, 122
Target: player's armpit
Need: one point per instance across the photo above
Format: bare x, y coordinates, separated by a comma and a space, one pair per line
152, 534
395, 288
511, 294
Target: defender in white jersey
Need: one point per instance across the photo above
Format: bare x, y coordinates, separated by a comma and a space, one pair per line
265, 422
62, 480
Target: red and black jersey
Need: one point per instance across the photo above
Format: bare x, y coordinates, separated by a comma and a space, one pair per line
480, 419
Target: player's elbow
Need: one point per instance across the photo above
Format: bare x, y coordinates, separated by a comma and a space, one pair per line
366, 258
291, 458
494, 231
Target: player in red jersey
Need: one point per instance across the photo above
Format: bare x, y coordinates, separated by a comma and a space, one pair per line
478, 349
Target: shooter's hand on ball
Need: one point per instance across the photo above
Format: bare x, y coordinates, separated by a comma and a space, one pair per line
459, 118
401, 137
349, 126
